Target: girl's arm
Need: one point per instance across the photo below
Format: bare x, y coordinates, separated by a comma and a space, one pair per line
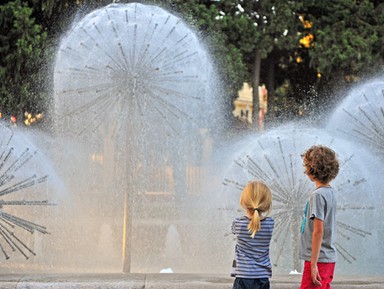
317, 239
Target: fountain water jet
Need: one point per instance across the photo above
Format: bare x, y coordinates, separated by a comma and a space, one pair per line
361, 115
23, 184
173, 252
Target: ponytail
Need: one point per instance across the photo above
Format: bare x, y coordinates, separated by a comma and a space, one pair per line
254, 224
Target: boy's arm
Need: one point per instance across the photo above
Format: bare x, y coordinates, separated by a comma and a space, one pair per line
317, 239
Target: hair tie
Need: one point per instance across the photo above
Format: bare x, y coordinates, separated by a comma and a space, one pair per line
256, 209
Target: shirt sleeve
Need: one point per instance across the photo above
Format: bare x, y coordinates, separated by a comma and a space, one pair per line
233, 227
317, 207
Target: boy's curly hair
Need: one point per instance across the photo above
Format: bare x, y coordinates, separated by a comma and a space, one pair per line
321, 163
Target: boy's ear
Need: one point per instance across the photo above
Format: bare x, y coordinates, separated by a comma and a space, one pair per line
311, 171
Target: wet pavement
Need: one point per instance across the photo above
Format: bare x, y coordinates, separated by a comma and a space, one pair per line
165, 281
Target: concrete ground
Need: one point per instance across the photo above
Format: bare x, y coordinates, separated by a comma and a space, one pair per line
165, 281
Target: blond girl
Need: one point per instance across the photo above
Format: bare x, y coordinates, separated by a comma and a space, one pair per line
253, 237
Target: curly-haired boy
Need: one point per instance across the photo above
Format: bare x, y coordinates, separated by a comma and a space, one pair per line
317, 245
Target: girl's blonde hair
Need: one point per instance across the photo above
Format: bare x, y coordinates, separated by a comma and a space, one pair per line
257, 199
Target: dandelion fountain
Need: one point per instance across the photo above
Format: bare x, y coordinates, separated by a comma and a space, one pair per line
24, 187
133, 83
361, 115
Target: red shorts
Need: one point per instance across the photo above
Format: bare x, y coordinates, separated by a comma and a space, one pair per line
326, 273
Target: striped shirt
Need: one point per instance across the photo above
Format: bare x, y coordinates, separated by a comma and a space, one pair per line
252, 255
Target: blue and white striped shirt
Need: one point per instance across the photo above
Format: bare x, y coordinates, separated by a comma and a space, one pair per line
252, 255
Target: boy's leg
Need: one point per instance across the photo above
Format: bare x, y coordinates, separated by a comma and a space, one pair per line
326, 271
306, 280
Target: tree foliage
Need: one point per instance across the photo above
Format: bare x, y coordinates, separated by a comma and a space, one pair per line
346, 36
22, 54
262, 30
341, 45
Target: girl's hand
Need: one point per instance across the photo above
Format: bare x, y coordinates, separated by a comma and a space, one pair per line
315, 275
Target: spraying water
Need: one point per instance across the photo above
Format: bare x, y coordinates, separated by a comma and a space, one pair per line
361, 115
135, 107
133, 83
23, 188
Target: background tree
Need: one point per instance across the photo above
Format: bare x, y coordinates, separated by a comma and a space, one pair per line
30, 31
306, 50
263, 31
22, 55
342, 44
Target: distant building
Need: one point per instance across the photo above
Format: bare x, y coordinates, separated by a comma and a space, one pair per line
244, 104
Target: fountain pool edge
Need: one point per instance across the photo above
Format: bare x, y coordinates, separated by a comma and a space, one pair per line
165, 281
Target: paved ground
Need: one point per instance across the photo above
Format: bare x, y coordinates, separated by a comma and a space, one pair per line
165, 281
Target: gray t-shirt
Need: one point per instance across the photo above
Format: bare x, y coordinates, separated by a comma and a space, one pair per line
322, 206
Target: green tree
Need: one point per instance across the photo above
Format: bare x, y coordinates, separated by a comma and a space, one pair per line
57, 16
347, 46
313, 46
262, 30
29, 34
22, 55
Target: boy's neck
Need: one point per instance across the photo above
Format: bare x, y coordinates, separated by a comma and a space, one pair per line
321, 184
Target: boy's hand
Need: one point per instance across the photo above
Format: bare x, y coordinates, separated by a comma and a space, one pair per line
315, 275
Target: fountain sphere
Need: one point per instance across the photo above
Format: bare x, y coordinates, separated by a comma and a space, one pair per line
361, 115
135, 88
28, 184
131, 65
